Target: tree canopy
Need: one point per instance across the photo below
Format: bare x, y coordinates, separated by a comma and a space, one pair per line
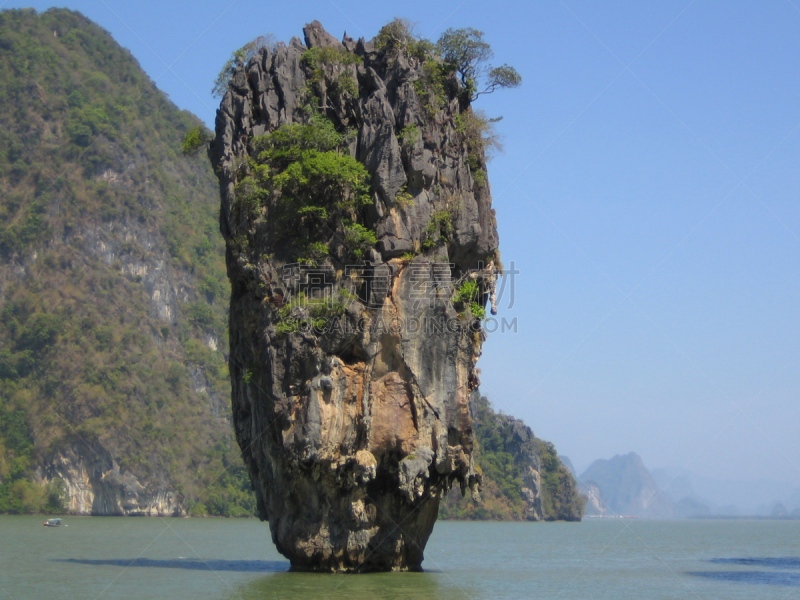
469, 53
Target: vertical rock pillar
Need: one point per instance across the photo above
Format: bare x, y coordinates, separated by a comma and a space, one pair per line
351, 370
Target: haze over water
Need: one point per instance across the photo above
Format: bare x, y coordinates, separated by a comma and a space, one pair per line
201, 559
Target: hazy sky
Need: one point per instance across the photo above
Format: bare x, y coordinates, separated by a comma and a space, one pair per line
647, 193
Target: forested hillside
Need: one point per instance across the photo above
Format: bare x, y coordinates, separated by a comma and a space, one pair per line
113, 380
523, 478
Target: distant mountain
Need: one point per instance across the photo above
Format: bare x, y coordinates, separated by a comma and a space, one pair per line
727, 496
678, 489
624, 486
793, 501
674, 484
690, 507
779, 511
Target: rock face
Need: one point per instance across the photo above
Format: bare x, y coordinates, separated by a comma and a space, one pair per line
95, 485
351, 380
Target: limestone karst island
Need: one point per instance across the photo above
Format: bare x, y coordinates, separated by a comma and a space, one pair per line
362, 249
362, 256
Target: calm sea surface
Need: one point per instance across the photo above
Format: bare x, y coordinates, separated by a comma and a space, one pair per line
198, 559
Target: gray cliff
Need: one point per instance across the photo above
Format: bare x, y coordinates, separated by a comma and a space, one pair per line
95, 484
352, 414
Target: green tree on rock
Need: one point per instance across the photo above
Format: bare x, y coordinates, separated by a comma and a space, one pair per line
467, 51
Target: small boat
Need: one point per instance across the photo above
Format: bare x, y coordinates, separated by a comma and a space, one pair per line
52, 523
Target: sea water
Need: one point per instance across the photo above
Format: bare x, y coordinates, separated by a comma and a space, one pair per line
151, 558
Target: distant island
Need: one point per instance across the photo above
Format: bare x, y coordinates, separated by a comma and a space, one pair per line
623, 486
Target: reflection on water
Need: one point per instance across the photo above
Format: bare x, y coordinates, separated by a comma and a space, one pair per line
786, 562
759, 577
595, 560
380, 586
239, 566
294, 585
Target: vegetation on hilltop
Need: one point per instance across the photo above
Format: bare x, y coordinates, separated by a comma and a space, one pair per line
462, 51
113, 293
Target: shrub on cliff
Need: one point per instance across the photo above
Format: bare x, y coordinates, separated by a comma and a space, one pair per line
195, 138
399, 34
303, 175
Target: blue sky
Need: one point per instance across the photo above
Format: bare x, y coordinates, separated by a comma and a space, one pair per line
647, 193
